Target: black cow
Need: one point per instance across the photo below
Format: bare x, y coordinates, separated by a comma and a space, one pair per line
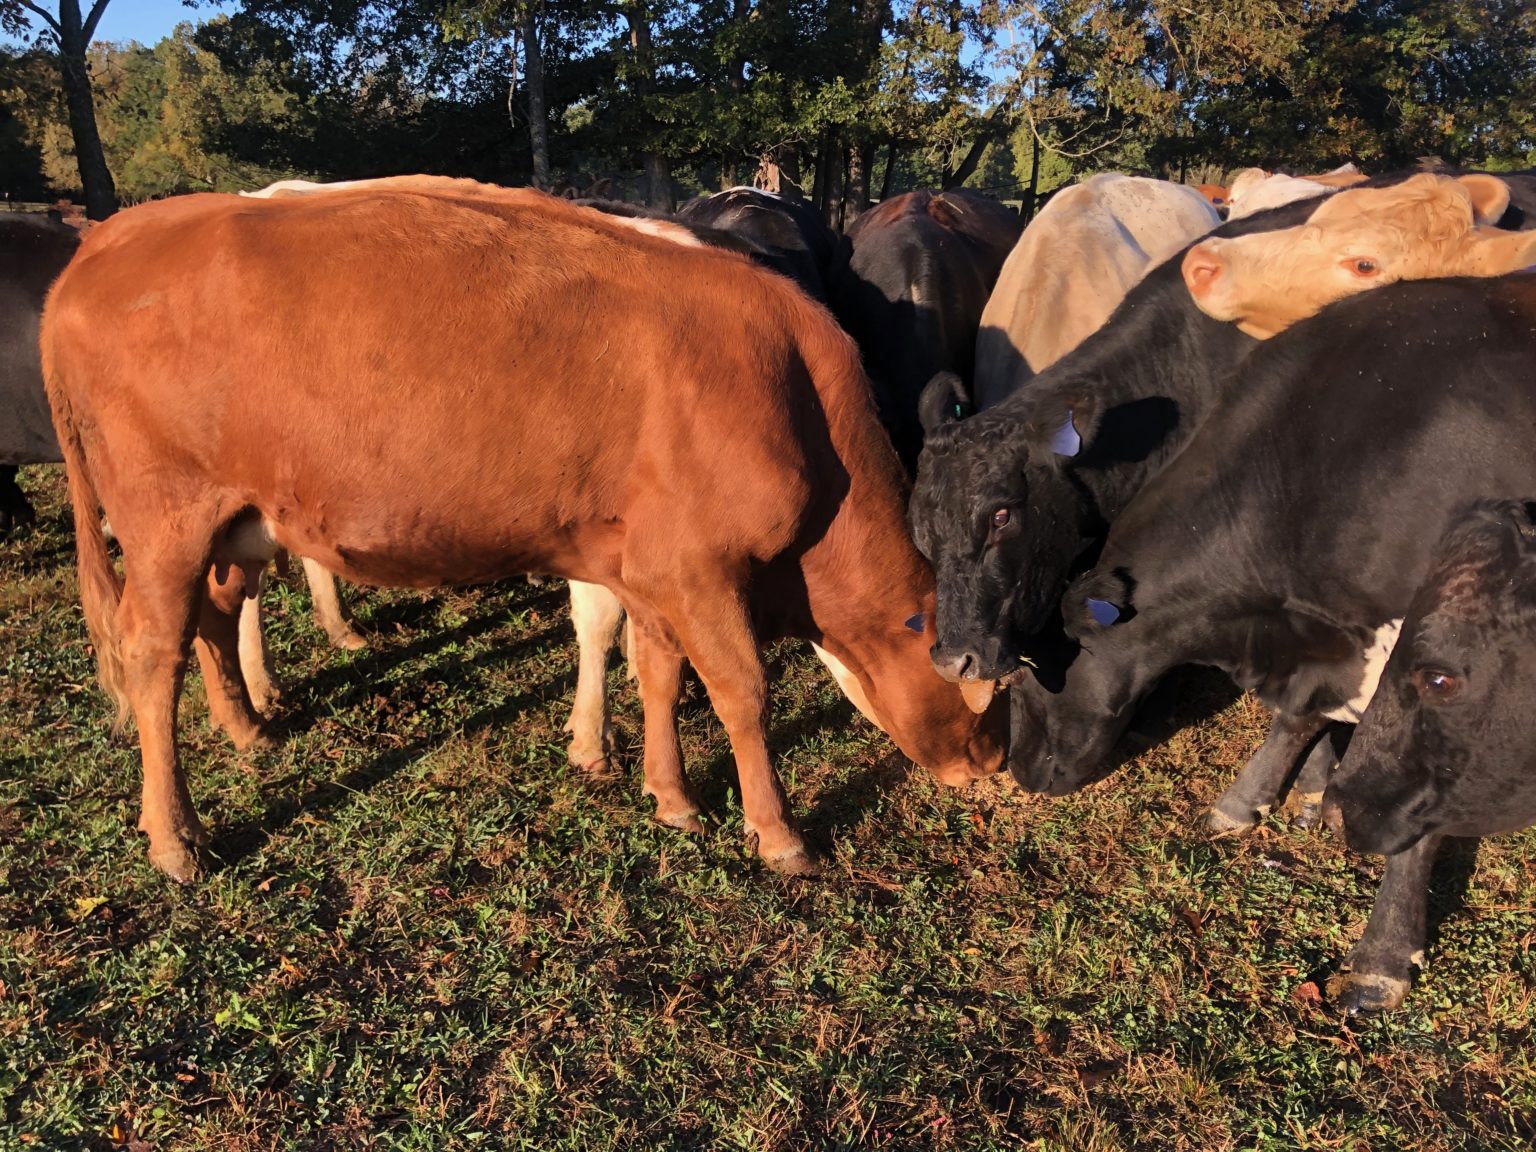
1448, 745
33, 251
1286, 543
1008, 501
917, 279
789, 236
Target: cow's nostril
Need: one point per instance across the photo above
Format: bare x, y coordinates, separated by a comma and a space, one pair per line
953, 666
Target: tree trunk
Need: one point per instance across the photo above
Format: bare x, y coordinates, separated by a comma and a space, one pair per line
95, 177
538, 108
658, 182
972, 160
658, 173
890, 167
861, 157
1032, 197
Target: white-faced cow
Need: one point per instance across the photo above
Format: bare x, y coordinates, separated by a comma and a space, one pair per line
1089, 246
507, 390
1286, 543
1358, 239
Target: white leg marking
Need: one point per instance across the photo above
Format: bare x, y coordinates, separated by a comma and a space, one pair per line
596, 614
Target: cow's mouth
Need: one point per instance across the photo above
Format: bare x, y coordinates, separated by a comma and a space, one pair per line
978, 694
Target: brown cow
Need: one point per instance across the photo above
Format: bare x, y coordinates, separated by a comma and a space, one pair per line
1361, 238
421, 388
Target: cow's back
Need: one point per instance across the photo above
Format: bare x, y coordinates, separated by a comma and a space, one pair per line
33, 251
921, 268
419, 389
1074, 264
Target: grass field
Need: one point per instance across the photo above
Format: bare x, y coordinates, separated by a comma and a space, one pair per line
423, 931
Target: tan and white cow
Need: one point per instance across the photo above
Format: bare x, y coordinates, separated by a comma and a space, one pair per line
1427, 226
1074, 264
1258, 190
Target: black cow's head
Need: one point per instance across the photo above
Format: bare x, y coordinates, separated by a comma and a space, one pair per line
998, 514
1064, 731
1448, 744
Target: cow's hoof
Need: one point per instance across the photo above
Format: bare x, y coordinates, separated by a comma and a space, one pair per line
1225, 823
1309, 815
349, 641
598, 767
256, 740
793, 862
181, 861
264, 700
1356, 992
688, 822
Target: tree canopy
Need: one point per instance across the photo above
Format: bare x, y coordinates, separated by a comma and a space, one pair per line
840, 101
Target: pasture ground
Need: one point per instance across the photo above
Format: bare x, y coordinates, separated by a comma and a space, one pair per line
424, 931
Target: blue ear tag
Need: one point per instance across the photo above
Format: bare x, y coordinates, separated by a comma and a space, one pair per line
959, 410
916, 622
1103, 612
1066, 441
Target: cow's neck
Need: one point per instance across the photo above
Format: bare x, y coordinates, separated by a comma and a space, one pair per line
1157, 376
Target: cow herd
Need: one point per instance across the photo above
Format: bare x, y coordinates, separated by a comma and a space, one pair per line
1004, 483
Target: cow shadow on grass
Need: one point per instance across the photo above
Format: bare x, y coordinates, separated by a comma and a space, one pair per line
344, 685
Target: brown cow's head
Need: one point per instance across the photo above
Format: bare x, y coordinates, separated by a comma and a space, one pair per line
1427, 226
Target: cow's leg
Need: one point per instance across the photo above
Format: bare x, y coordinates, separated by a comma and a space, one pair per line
658, 663
326, 597
15, 509
218, 652
255, 656
162, 596
1380, 967
1253, 793
711, 618
1312, 782
596, 614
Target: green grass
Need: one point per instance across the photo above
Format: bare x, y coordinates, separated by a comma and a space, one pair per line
424, 931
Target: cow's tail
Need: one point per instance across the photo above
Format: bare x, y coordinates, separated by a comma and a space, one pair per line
100, 588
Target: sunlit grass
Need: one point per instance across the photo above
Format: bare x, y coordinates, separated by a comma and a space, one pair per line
423, 931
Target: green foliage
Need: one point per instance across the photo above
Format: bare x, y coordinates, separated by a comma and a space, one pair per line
939, 91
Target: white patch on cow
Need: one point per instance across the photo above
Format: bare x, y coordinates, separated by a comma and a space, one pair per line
849, 683
661, 229
754, 191
1373, 662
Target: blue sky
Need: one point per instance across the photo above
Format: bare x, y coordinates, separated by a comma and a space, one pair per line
144, 20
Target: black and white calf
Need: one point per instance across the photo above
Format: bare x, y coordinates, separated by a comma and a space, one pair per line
1287, 541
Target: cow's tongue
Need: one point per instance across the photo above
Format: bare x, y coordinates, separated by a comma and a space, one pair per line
978, 694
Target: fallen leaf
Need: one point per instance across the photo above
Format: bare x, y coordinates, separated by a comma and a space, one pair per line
84, 906
1307, 993
1092, 1075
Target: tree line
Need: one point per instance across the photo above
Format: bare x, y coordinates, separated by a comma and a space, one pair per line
840, 102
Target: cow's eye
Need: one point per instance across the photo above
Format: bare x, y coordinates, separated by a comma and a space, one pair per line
1436, 686
1000, 518
1363, 266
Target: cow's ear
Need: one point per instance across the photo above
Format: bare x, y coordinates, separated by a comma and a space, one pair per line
1062, 430
1499, 253
1490, 196
1096, 601
944, 400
